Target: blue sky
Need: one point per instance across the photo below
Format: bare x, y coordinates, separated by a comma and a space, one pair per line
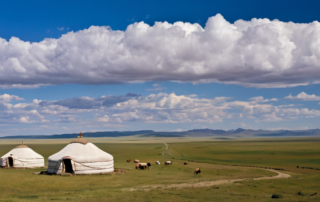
161, 65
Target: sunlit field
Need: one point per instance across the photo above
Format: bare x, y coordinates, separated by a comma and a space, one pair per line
218, 160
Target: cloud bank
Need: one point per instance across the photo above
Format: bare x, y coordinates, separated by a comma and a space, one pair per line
155, 108
258, 53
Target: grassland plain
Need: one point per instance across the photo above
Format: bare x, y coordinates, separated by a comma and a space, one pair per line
21, 185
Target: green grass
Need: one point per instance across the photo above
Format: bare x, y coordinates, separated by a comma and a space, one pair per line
22, 185
287, 155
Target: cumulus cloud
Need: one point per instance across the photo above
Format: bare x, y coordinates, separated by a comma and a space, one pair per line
172, 108
163, 108
304, 97
261, 99
8, 98
272, 117
259, 53
10, 114
105, 118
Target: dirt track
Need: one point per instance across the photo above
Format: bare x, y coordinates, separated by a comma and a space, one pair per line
207, 183
165, 151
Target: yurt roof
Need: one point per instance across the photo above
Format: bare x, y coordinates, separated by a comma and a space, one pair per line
83, 151
80, 140
23, 152
22, 146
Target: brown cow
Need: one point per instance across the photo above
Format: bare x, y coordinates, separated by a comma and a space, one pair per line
137, 165
315, 193
185, 163
136, 161
128, 160
197, 171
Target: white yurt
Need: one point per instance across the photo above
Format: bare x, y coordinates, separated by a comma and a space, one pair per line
22, 157
80, 157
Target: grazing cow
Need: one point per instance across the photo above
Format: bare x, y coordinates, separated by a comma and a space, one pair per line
136, 161
168, 163
185, 163
157, 162
143, 166
137, 165
128, 160
315, 193
149, 164
197, 171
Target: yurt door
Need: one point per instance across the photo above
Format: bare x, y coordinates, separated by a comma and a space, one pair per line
68, 166
10, 161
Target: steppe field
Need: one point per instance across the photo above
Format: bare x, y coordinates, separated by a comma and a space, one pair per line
232, 170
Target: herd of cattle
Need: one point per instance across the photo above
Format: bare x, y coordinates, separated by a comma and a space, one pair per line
144, 166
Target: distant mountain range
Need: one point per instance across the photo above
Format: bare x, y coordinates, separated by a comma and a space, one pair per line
216, 134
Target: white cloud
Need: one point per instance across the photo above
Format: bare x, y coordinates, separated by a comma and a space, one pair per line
21, 86
272, 117
157, 87
8, 98
221, 99
261, 99
105, 118
310, 113
60, 28
24, 119
164, 108
304, 97
258, 53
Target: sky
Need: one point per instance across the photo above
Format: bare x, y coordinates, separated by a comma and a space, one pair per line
71, 66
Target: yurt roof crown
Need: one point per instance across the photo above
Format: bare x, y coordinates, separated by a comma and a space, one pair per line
22, 146
80, 140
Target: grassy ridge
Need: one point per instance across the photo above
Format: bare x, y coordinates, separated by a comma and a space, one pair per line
21, 185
